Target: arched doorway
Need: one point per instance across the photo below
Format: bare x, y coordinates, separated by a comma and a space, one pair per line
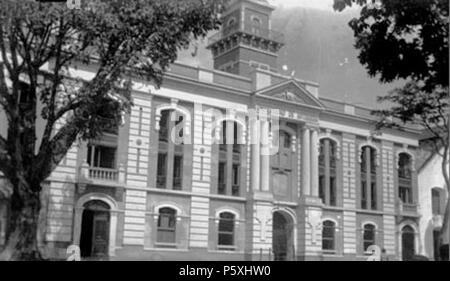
282, 236
408, 247
94, 238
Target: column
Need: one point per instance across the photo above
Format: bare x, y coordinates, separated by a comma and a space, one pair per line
306, 183
265, 157
314, 164
255, 165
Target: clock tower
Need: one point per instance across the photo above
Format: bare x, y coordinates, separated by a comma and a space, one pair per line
246, 40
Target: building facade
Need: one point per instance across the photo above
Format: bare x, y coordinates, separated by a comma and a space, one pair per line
433, 195
329, 189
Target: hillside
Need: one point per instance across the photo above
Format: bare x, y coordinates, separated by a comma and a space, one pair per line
317, 42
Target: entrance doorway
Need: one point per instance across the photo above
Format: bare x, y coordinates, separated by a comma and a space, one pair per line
282, 236
408, 237
94, 239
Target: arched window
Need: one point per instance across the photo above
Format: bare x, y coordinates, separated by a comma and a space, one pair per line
167, 221
327, 172
230, 157
256, 26
368, 173
226, 230
170, 150
328, 236
368, 236
405, 178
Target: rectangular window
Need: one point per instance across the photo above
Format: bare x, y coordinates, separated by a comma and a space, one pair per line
164, 126
177, 172
363, 194
226, 232
161, 170
101, 156
236, 180
221, 189
322, 188
332, 191
373, 195
166, 228
436, 202
328, 233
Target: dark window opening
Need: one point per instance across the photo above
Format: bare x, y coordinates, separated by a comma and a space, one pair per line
161, 170
101, 156
436, 201
327, 172
167, 221
226, 229
177, 172
222, 174
328, 236
368, 236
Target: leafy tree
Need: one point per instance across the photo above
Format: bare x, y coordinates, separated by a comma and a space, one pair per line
39, 43
408, 40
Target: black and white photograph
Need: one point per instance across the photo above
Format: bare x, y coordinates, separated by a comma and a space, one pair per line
243, 132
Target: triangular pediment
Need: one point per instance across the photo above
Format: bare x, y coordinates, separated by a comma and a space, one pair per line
292, 92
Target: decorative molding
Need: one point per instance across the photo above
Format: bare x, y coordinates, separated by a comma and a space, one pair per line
406, 151
370, 143
173, 106
328, 135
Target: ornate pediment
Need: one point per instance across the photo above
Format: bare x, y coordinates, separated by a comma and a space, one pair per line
292, 92
289, 96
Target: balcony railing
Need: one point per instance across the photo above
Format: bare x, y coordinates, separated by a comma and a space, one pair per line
248, 29
103, 174
409, 208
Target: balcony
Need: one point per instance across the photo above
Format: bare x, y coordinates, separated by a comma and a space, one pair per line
248, 29
407, 209
101, 176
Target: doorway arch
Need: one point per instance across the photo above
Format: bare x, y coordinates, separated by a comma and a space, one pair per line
97, 202
283, 236
94, 237
408, 242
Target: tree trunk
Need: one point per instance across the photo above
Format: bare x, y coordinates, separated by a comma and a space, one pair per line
22, 239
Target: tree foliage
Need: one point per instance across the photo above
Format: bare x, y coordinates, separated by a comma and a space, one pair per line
408, 40
402, 39
40, 43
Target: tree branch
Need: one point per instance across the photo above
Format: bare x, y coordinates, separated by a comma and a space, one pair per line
5, 164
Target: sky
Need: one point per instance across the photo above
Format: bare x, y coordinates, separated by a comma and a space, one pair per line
319, 48
316, 4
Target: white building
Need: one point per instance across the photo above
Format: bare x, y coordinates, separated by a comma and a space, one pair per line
432, 199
